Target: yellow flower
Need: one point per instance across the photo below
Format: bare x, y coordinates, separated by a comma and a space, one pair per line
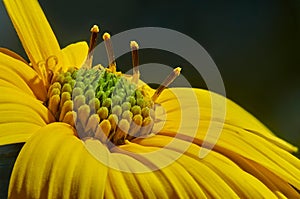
248, 161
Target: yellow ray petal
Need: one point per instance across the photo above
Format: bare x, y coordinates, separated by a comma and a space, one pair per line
168, 182
33, 29
123, 180
21, 132
238, 141
22, 76
229, 171
244, 144
13, 54
74, 55
242, 184
184, 180
55, 164
235, 115
123, 184
277, 185
20, 116
242, 134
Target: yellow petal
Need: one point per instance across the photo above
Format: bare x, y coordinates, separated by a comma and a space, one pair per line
261, 183
13, 54
21, 115
55, 164
235, 141
21, 75
241, 136
74, 55
33, 29
183, 180
235, 115
123, 180
240, 145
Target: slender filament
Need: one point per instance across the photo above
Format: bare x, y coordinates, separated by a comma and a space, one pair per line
175, 73
110, 52
135, 61
93, 41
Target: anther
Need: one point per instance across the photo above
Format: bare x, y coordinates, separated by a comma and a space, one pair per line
54, 104
114, 120
145, 112
66, 107
117, 109
54, 91
103, 131
126, 106
93, 41
103, 112
51, 63
83, 114
121, 132
175, 73
107, 102
136, 110
77, 91
146, 126
135, 61
92, 123
70, 118
94, 104
135, 126
110, 52
64, 97
127, 115
79, 101
67, 88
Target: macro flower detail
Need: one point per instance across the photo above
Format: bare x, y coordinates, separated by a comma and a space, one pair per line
93, 132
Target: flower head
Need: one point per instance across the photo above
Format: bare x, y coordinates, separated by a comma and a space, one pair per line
94, 132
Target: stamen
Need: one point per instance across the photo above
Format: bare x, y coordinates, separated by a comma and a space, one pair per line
103, 131
175, 73
135, 126
114, 120
92, 123
54, 104
42, 71
103, 112
67, 106
70, 118
110, 52
147, 126
51, 63
94, 36
121, 132
83, 114
50, 67
64, 97
135, 61
93, 41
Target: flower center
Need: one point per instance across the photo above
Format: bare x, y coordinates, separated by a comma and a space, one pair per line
102, 103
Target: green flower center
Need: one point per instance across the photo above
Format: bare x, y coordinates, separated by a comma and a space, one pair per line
101, 104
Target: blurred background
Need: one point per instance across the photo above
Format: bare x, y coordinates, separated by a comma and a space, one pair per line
254, 43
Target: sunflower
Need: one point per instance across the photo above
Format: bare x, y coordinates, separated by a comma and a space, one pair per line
93, 132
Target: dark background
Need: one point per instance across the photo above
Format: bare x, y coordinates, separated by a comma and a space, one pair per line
255, 45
